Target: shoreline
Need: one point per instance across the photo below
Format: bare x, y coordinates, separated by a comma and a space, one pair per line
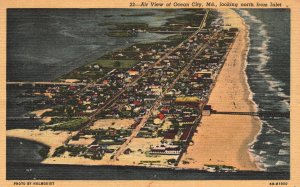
29, 140
104, 172
226, 139
48, 138
254, 105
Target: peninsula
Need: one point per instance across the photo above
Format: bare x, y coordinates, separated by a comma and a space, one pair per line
160, 104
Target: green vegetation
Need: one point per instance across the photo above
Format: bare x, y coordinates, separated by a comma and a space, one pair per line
59, 151
73, 150
126, 29
71, 125
44, 152
58, 110
94, 156
121, 34
117, 64
112, 142
185, 20
121, 64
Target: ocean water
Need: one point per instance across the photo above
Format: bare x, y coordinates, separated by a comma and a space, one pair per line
21, 155
268, 72
43, 44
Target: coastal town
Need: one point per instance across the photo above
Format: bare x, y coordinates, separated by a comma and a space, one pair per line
138, 106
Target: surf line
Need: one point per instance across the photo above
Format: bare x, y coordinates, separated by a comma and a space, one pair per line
228, 4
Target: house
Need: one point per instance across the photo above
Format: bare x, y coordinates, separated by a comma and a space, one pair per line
186, 134
228, 39
157, 121
164, 110
105, 82
133, 72
161, 116
166, 102
96, 66
156, 90
188, 120
137, 103
233, 29
204, 74
165, 149
193, 101
206, 110
169, 136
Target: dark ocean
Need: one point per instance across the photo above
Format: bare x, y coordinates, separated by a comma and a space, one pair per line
44, 44
268, 72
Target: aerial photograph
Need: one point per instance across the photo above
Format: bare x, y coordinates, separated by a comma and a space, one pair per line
139, 94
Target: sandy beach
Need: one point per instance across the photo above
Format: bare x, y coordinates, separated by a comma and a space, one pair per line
53, 139
39, 113
135, 158
225, 139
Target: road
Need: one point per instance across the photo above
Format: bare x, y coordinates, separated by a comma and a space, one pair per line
119, 93
157, 102
113, 98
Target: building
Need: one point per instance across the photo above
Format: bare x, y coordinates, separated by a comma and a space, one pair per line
190, 120
165, 149
206, 110
169, 135
187, 101
205, 74
133, 72
186, 134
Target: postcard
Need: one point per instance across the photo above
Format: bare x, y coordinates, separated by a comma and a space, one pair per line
149, 93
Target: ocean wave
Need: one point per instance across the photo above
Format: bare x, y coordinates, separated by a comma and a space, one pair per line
286, 144
270, 131
285, 140
268, 165
259, 161
281, 163
246, 13
283, 152
262, 152
273, 129
251, 94
262, 31
262, 57
268, 143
